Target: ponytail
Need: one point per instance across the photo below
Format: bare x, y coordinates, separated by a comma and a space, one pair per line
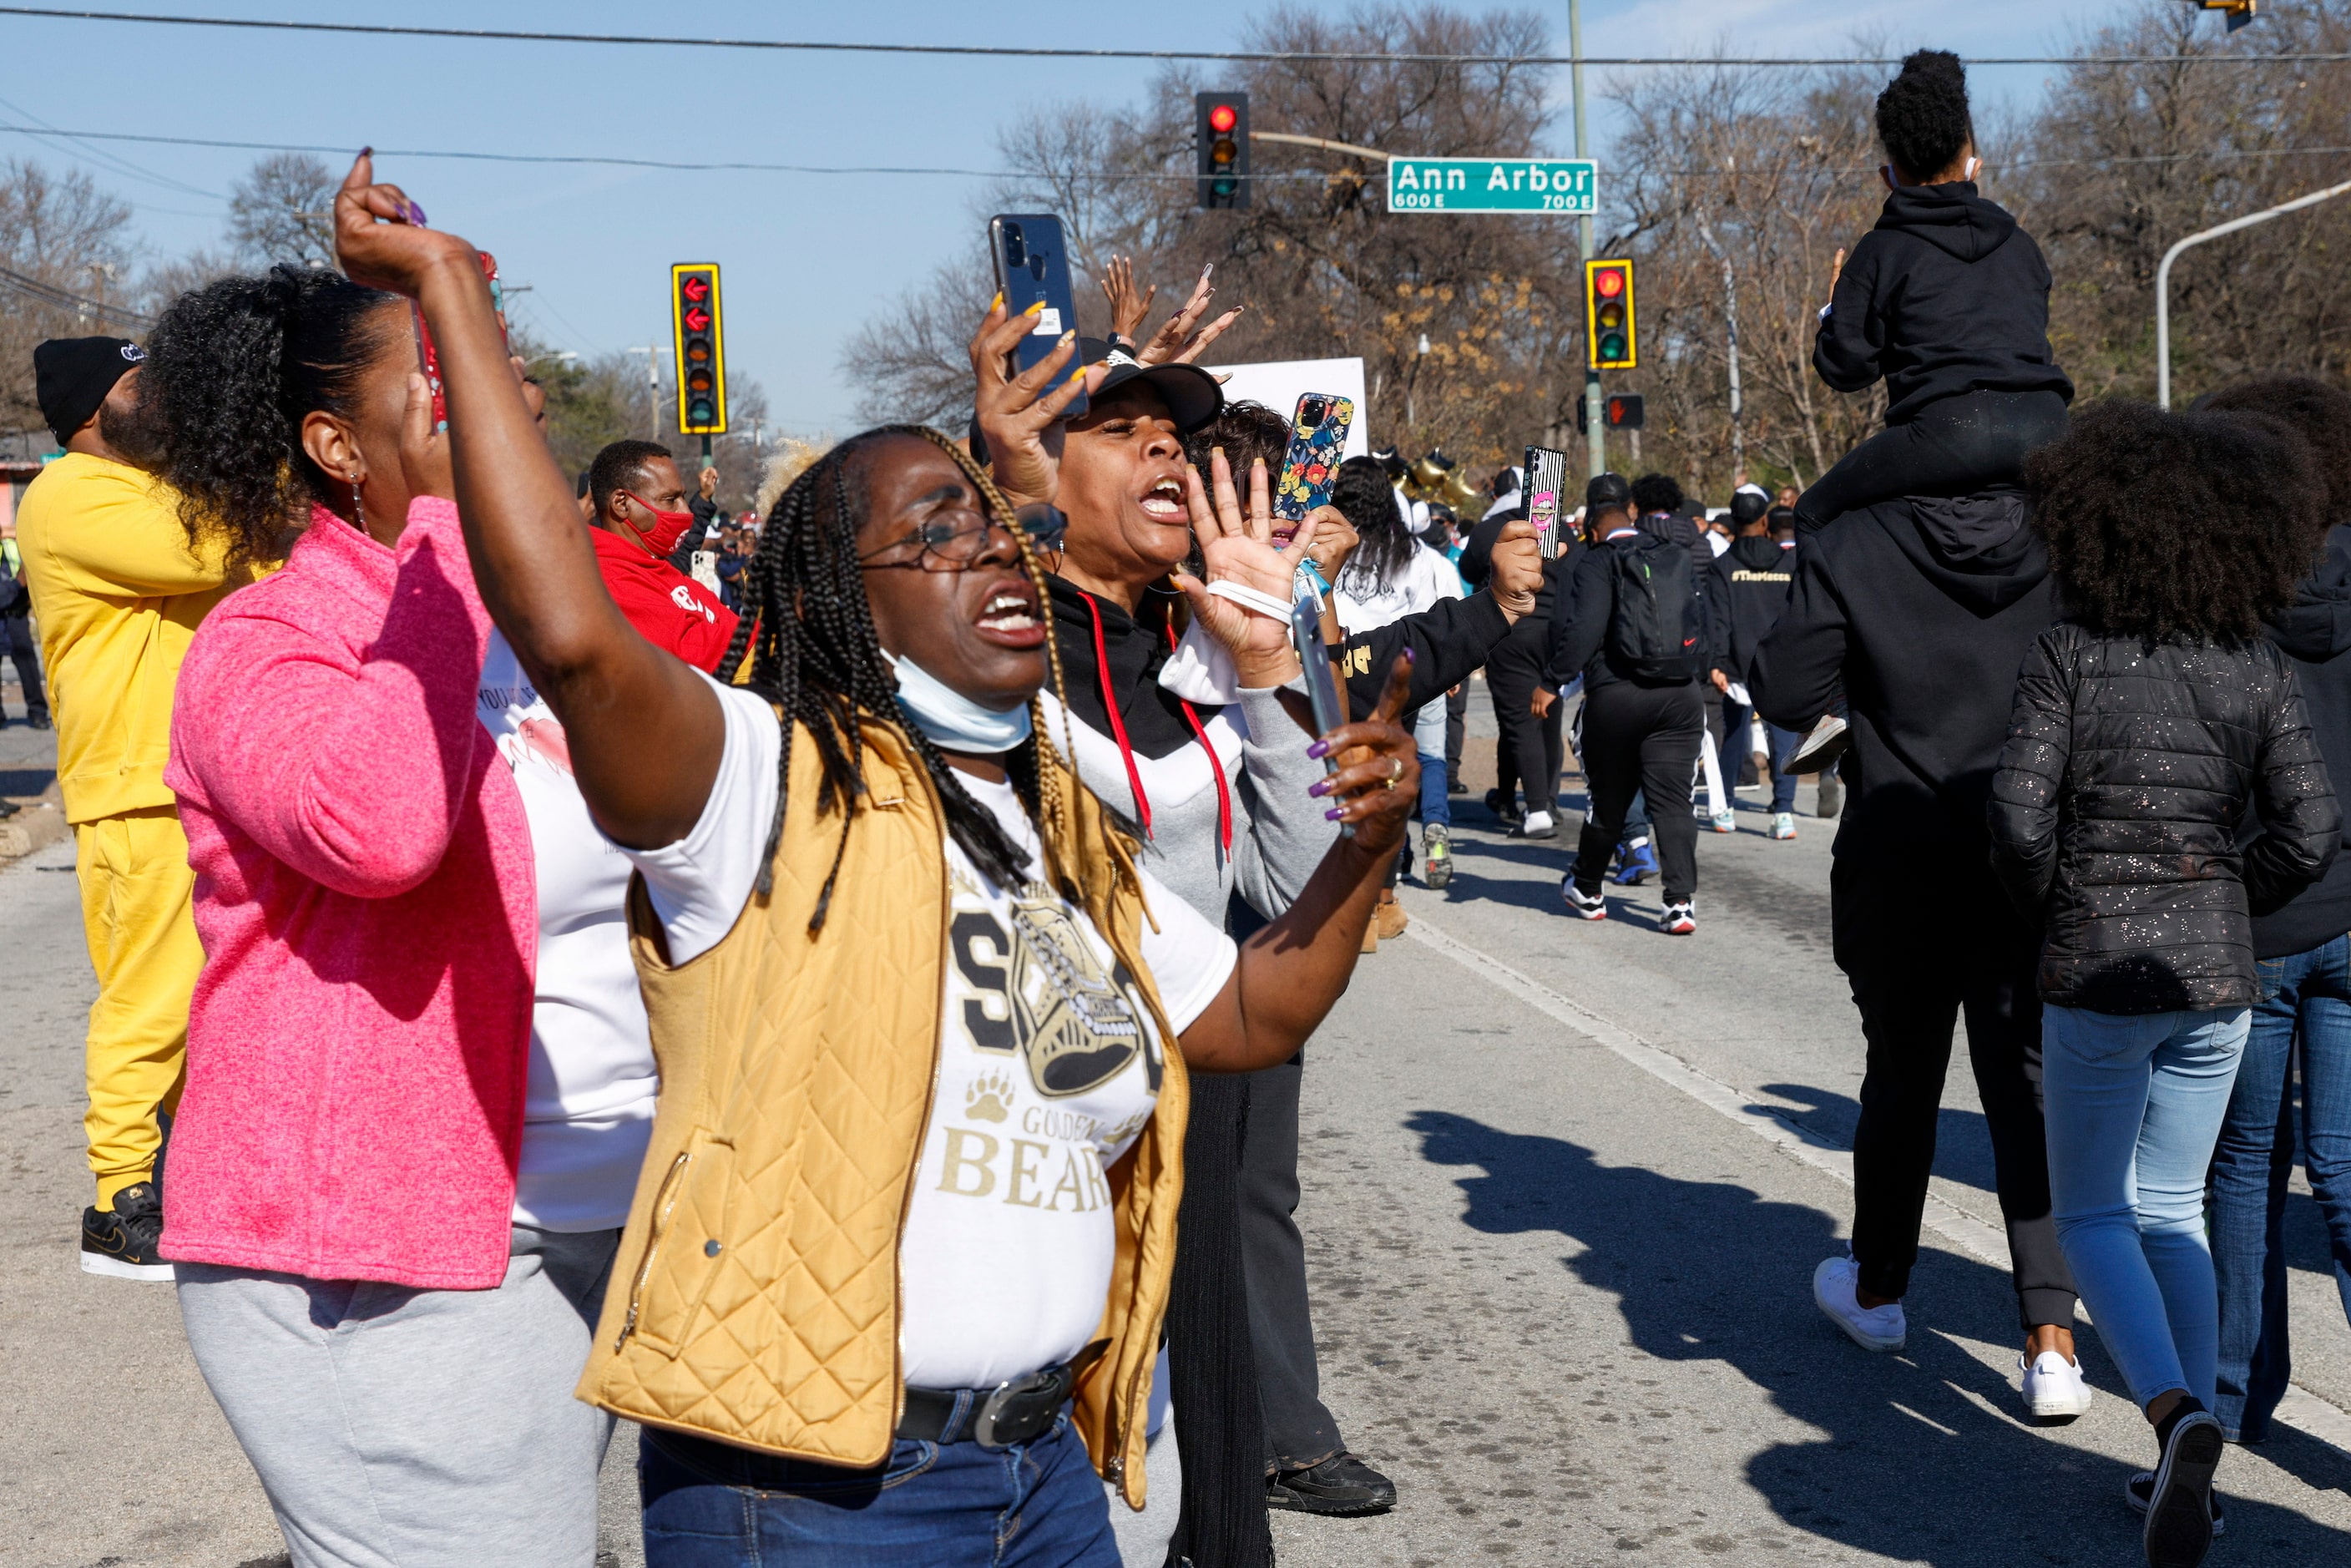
232, 368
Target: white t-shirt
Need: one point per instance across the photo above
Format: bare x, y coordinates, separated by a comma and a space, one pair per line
1047, 1070
587, 1112
1424, 578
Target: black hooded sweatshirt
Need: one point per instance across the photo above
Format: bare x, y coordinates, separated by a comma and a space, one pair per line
1945, 296
1923, 609
1752, 580
2315, 633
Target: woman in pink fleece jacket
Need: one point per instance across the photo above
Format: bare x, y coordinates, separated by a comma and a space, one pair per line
391, 1332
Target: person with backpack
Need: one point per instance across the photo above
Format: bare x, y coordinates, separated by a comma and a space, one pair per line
1632, 622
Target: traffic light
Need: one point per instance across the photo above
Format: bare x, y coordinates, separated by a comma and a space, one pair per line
701, 348
1221, 136
1608, 316
1618, 411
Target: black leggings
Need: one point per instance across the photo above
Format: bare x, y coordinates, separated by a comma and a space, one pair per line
1642, 738
1953, 447
1532, 749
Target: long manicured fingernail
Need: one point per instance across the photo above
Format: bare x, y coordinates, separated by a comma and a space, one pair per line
1410, 657
416, 214
367, 151
1320, 748
1034, 308
1319, 787
999, 300
1335, 813
1069, 336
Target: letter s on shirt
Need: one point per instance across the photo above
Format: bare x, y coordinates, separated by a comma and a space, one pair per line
683, 596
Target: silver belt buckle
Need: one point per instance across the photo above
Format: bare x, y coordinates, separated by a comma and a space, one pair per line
1001, 1413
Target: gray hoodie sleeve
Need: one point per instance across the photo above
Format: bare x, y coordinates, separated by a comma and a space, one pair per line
1279, 834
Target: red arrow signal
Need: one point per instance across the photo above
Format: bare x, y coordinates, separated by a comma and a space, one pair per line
696, 289
697, 319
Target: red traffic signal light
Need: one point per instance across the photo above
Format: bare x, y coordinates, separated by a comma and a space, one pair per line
1221, 146
701, 348
1610, 337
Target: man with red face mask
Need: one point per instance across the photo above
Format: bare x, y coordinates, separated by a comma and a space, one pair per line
640, 513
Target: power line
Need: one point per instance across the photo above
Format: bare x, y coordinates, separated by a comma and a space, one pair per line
34, 288
507, 35
476, 156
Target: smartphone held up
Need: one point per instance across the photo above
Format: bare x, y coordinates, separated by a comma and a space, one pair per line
1546, 476
1321, 685
1032, 268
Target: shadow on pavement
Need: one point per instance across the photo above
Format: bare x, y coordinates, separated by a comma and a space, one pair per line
1924, 1457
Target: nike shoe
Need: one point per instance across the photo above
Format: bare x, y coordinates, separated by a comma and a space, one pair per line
1680, 919
1836, 1284
1783, 824
1581, 904
1724, 823
2054, 1388
1536, 825
1437, 851
1635, 863
123, 1243
1341, 1485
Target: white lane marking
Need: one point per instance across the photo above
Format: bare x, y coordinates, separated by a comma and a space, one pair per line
2301, 1409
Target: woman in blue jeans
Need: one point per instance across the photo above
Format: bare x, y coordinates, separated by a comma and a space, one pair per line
2146, 721
2302, 1024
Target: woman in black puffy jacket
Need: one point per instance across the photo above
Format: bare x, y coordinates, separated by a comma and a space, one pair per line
2146, 721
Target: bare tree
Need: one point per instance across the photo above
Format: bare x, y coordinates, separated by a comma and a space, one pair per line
65, 240
284, 210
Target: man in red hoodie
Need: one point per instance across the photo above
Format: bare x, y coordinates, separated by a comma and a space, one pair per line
640, 513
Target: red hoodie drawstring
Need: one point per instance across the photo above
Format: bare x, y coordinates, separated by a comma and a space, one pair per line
1126, 750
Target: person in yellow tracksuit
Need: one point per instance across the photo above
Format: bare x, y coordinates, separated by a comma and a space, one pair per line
116, 591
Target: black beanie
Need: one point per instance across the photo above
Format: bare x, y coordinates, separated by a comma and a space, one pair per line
1607, 492
71, 376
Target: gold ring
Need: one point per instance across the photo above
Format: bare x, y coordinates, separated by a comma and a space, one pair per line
1395, 770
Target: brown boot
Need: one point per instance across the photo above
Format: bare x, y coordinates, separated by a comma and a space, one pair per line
1389, 920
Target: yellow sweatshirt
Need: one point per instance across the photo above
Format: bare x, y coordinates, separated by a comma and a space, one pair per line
118, 594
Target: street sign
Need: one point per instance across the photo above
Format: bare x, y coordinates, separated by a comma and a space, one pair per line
1493, 185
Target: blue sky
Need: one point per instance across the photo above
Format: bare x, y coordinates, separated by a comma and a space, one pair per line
806, 257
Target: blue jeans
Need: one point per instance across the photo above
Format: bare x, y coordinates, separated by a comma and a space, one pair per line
1783, 783
2134, 1104
1435, 809
943, 1505
2306, 1003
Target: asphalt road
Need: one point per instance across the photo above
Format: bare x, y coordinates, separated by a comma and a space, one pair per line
1565, 1188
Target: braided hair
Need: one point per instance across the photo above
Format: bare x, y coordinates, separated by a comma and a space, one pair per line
816, 656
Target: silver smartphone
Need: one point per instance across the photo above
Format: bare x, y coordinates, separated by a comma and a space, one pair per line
1322, 687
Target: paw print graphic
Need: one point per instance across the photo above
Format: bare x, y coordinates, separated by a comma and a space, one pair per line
990, 1098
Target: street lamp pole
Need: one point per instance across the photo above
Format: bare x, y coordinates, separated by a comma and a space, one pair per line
2163, 276
1731, 322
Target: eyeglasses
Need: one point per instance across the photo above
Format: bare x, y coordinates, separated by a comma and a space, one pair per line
954, 546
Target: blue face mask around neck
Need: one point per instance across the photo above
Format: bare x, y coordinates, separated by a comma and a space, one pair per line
953, 720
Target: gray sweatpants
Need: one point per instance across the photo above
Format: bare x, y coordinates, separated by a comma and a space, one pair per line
403, 1428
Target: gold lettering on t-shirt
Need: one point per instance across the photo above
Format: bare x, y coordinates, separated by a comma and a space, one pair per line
958, 1161
1073, 1163
1022, 1171
1097, 1189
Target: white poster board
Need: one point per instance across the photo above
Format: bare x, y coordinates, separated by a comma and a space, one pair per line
1280, 384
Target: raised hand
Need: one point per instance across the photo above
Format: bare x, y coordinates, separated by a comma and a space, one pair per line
1237, 545
1181, 339
1379, 780
1127, 308
380, 237
1018, 416
1518, 569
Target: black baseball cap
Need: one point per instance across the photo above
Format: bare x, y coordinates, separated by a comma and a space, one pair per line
1193, 396
1607, 492
71, 376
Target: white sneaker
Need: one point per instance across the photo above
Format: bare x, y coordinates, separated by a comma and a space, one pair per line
1783, 824
2053, 1389
1724, 823
1836, 1284
1538, 825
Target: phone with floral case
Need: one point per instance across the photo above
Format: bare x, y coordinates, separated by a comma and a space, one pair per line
1318, 439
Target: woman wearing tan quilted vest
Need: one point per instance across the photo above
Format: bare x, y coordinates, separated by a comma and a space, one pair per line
892, 1287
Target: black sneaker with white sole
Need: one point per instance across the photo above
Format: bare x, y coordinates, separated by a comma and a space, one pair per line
123, 1243
2141, 1487
1341, 1485
2180, 1497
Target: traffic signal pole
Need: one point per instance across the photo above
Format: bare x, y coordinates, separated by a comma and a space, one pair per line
1596, 430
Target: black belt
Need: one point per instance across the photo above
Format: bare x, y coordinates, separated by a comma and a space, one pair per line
1018, 1411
